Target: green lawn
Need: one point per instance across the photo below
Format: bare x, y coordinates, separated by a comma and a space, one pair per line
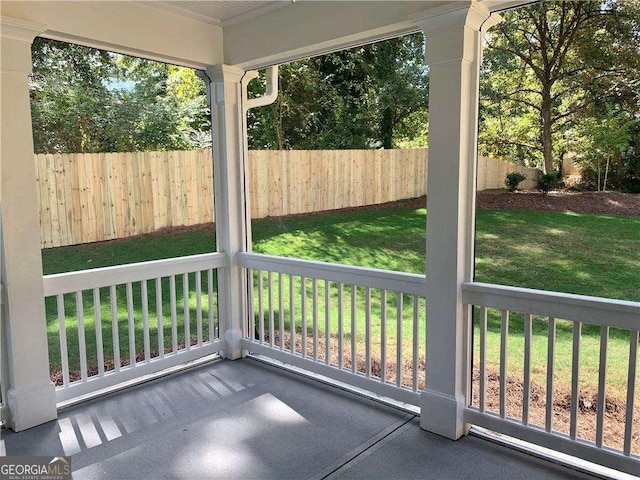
583, 254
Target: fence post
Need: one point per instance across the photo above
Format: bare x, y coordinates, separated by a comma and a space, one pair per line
454, 55
31, 394
229, 192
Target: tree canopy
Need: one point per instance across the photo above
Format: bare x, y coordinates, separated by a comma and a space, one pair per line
85, 100
550, 66
557, 77
364, 97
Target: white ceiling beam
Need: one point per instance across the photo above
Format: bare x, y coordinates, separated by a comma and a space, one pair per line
308, 28
126, 27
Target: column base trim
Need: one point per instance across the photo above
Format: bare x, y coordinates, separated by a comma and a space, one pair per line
31, 406
233, 349
443, 414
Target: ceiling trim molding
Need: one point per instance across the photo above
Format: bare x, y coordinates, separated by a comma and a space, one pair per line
167, 7
241, 17
256, 12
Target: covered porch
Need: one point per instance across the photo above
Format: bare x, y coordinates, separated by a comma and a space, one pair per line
246, 419
227, 41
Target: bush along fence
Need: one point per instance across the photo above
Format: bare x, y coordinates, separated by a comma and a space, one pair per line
87, 198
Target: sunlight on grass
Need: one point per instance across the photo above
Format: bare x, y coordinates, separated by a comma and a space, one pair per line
583, 254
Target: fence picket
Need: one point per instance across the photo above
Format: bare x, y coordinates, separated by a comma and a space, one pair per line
116, 195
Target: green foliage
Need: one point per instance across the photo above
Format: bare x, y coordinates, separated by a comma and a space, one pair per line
549, 65
552, 74
604, 144
547, 181
374, 96
513, 179
623, 175
85, 100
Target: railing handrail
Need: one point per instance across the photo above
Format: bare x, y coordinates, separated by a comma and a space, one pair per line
582, 308
409, 283
62, 283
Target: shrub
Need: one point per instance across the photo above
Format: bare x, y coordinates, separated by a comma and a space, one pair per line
547, 182
513, 179
624, 175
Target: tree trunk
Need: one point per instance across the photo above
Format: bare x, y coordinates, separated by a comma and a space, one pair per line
386, 128
277, 111
598, 175
546, 137
606, 173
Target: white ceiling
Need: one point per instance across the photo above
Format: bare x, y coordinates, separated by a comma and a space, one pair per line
218, 12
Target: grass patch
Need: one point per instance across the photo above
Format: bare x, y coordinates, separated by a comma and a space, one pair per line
582, 254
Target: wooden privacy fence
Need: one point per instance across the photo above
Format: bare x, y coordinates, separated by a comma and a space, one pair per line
88, 198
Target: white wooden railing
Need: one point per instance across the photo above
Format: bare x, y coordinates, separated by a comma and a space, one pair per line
339, 321
150, 339
555, 307
359, 326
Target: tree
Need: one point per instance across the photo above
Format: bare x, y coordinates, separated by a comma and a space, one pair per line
366, 97
604, 139
401, 79
544, 63
86, 100
69, 98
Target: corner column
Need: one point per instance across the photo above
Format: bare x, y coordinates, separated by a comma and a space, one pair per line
229, 190
453, 54
31, 396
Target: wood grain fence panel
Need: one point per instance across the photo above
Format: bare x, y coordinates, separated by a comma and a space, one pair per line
192, 188
52, 199
44, 201
165, 185
259, 179
147, 197
275, 182
61, 207
149, 191
98, 195
110, 198
84, 189
93, 197
176, 189
118, 192
253, 166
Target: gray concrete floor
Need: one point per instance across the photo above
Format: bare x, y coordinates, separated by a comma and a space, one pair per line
244, 420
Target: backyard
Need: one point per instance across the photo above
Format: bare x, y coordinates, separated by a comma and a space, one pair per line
582, 253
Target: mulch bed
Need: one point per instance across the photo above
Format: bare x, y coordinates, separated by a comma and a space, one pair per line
602, 203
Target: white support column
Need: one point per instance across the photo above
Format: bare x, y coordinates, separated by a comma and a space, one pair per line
31, 394
453, 53
229, 187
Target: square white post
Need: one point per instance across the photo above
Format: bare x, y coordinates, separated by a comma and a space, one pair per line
229, 189
31, 394
453, 54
